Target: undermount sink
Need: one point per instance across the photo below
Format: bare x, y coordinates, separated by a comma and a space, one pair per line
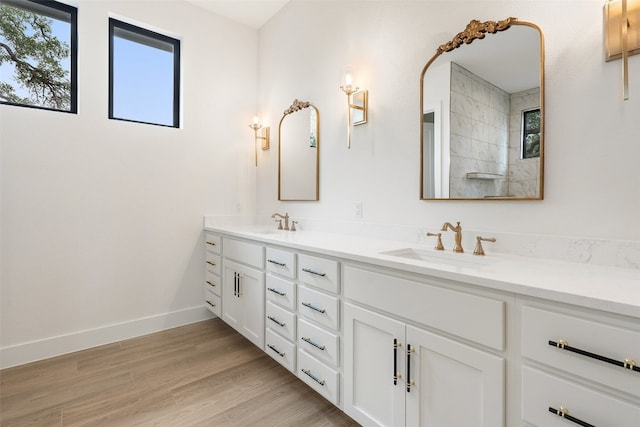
268, 232
439, 257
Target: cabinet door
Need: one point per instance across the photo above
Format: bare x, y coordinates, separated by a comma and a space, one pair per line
243, 301
372, 396
455, 385
251, 294
232, 306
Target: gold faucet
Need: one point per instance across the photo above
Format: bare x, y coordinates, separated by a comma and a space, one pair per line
458, 239
439, 246
479, 250
286, 220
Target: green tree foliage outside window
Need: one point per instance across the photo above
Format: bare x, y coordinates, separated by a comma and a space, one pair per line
37, 63
531, 134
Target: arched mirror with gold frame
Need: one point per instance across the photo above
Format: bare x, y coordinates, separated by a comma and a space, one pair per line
298, 152
482, 114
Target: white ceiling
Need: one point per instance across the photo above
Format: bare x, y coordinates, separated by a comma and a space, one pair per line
253, 13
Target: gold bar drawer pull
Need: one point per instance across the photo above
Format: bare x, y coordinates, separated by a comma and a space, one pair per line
277, 292
272, 347
211, 263
276, 321
564, 413
309, 305
629, 364
308, 340
278, 263
313, 377
210, 303
308, 270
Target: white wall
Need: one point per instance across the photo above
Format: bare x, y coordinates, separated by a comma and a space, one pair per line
101, 219
592, 185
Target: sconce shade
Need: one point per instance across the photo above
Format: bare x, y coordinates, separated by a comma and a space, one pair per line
256, 126
613, 28
357, 102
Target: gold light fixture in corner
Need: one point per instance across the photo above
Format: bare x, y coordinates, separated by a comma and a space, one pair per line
256, 126
357, 102
621, 41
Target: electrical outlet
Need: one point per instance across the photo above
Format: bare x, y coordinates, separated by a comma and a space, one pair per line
358, 210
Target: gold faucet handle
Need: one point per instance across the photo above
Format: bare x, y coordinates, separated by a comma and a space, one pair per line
279, 221
293, 225
479, 250
439, 246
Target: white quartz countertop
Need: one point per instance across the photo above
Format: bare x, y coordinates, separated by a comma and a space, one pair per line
610, 289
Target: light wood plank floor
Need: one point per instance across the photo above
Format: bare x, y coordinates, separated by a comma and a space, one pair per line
204, 374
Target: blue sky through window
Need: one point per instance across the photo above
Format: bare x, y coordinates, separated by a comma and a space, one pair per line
142, 82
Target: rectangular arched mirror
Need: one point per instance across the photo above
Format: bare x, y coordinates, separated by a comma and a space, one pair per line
482, 114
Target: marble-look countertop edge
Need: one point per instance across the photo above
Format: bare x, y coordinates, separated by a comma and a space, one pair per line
558, 281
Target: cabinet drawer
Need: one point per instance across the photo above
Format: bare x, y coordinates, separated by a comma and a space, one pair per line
540, 326
281, 350
319, 376
319, 307
318, 342
212, 302
212, 282
213, 263
281, 321
281, 262
244, 252
212, 243
473, 317
541, 391
319, 272
281, 292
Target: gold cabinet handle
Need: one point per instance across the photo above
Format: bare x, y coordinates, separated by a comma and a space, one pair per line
564, 413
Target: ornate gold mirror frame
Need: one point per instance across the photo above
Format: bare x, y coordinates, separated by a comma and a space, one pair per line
295, 167
478, 30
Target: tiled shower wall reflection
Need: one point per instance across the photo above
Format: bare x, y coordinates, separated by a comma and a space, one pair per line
479, 135
485, 137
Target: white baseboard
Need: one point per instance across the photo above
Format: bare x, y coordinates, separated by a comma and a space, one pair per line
55, 346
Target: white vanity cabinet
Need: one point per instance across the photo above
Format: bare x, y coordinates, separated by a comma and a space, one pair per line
213, 269
397, 374
243, 289
319, 325
394, 343
581, 368
280, 314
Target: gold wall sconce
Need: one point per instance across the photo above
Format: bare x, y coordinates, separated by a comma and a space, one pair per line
256, 126
357, 102
621, 41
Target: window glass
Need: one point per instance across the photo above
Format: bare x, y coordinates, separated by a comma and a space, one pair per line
144, 75
38, 54
531, 134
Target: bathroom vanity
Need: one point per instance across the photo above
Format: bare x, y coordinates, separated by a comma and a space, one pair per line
395, 334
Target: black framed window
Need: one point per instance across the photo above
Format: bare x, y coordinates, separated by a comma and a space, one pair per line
38, 54
531, 133
144, 75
